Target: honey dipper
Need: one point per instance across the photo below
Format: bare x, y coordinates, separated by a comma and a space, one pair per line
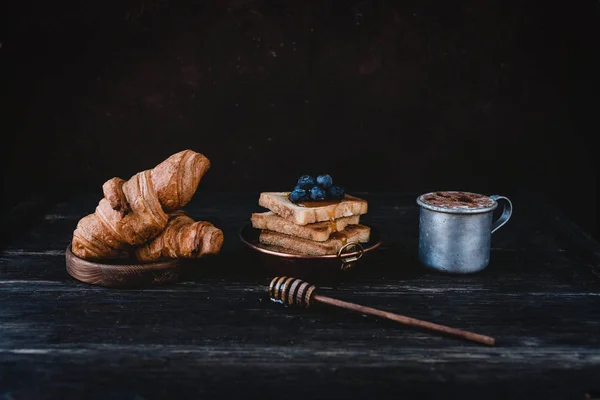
293, 291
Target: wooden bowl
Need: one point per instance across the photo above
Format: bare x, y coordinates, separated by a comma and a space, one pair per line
331, 267
122, 274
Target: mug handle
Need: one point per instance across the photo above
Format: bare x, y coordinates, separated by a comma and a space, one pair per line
506, 212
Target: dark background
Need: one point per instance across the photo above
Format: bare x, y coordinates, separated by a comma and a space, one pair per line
405, 96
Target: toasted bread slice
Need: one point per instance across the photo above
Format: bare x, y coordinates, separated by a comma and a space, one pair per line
318, 232
352, 233
280, 249
280, 204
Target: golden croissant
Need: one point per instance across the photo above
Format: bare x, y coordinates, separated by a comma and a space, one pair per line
135, 211
182, 238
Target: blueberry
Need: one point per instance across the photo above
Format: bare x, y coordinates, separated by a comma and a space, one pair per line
306, 182
316, 193
336, 192
324, 181
298, 195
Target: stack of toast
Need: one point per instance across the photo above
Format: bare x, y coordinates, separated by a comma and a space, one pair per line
310, 228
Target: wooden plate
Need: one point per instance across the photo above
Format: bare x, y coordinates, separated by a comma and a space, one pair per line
122, 274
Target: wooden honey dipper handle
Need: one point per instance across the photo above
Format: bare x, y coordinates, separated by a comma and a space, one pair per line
475, 337
294, 291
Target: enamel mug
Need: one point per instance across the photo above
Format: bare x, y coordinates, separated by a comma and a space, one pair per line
455, 229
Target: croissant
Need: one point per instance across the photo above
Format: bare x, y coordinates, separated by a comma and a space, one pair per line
134, 211
182, 238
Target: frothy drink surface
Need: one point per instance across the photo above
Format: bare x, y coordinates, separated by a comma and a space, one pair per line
456, 200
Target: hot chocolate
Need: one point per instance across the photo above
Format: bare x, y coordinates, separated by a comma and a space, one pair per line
457, 200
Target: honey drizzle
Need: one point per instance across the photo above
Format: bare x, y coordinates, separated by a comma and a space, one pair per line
332, 224
324, 203
314, 204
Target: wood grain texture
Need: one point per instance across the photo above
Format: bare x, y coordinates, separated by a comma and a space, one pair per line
213, 334
123, 275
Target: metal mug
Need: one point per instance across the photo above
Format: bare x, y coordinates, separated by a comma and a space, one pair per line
458, 240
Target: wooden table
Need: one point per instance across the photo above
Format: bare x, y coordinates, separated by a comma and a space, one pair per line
210, 336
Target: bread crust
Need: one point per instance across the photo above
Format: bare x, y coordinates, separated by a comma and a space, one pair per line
352, 233
318, 231
280, 204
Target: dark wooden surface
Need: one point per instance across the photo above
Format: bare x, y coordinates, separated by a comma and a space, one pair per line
211, 336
